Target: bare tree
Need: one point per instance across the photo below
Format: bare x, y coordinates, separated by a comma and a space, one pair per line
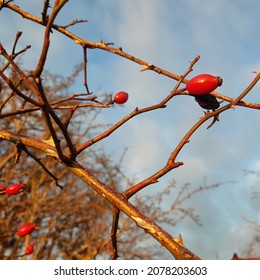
48, 133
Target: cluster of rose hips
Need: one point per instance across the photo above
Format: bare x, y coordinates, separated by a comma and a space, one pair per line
199, 86
24, 229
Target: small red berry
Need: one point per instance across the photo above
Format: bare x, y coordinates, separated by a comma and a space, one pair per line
25, 229
29, 249
203, 84
14, 189
121, 97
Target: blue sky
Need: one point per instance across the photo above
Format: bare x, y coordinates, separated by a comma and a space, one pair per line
169, 34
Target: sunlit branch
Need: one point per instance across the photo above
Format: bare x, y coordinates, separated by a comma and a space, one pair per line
38, 160
137, 111
119, 51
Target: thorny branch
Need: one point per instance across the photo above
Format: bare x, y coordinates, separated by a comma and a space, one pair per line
154, 178
171, 163
177, 249
137, 111
38, 160
119, 51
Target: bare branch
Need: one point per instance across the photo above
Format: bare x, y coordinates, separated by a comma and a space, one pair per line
85, 61
46, 43
18, 35
46, 6
29, 142
23, 147
113, 233
119, 51
22, 76
118, 200
137, 111
76, 21
246, 91
62, 146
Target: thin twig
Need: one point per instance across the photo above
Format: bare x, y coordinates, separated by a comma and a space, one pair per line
15, 54
178, 250
113, 233
72, 111
18, 35
49, 114
5, 102
171, 164
137, 111
19, 93
47, 110
22, 76
46, 42
209, 115
119, 51
246, 91
75, 22
85, 61
154, 178
46, 6
24, 148
55, 107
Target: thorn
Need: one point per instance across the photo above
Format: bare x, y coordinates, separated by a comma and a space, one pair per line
77, 41
256, 72
146, 67
49, 141
179, 240
215, 119
235, 257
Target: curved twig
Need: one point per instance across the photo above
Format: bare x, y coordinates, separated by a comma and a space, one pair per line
137, 111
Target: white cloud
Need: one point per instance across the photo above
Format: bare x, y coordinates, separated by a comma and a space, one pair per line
144, 152
138, 26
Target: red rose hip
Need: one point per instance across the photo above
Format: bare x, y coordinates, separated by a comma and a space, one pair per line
29, 249
203, 84
121, 97
25, 229
14, 189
